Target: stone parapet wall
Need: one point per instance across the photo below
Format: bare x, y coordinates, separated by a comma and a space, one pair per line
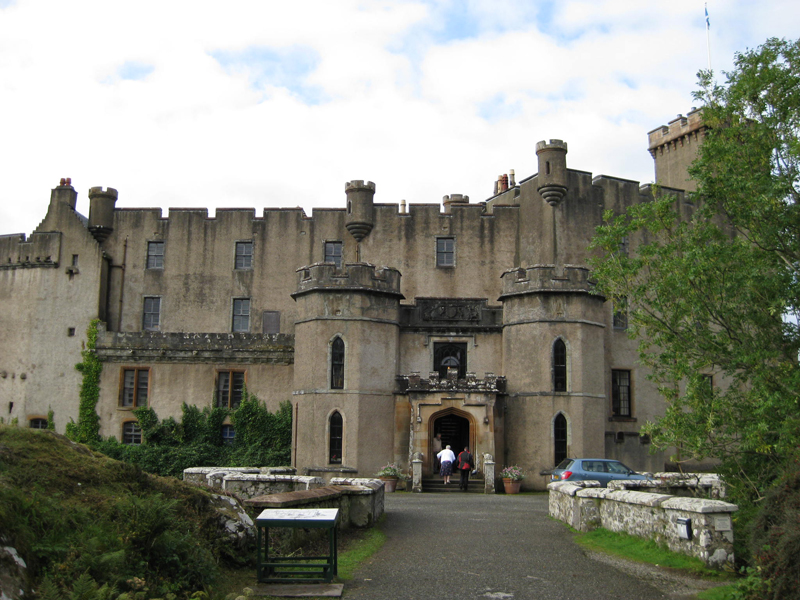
654, 516
360, 500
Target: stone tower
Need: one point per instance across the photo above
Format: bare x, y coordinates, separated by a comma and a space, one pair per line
346, 348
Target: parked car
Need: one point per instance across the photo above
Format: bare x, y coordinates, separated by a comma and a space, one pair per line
596, 469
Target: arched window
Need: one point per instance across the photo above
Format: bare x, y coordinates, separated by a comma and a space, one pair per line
335, 431
560, 438
337, 364
450, 356
559, 366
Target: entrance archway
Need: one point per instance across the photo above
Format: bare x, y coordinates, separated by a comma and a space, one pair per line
456, 429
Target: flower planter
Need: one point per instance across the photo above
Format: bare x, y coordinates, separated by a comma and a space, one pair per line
389, 483
511, 486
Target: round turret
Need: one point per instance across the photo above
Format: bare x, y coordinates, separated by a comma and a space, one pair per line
360, 219
101, 212
552, 170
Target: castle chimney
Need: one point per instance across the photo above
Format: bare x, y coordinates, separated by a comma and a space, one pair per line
511, 181
64, 193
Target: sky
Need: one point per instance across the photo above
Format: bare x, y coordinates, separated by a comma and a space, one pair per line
262, 103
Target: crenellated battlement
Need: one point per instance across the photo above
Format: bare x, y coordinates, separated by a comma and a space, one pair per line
354, 277
192, 347
675, 132
546, 279
41, 250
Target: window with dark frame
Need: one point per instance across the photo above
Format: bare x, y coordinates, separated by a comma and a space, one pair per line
620, 318
336, 430
445, 252
450, 355
155, 255
38, 423
560, 438
135, 387
333, 253
151, 313
620, 393
241, 315
131, 433
244, 255
559, 366
228, 434
337, 364
230, 389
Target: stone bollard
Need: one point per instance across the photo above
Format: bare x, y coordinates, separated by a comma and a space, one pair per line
416, 472
488, 474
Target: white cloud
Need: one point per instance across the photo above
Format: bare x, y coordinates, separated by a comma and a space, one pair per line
253, 103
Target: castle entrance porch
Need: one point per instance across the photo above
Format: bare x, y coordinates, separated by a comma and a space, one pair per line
467, 412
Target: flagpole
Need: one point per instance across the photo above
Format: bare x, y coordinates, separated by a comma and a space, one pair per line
708, 37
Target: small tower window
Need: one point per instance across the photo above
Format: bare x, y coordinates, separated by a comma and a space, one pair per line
559, 366
337, 364
560, 438
336, 430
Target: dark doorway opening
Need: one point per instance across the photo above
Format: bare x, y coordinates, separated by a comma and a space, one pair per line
455, 433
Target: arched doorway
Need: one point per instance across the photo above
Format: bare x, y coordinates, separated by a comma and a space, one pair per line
455, 429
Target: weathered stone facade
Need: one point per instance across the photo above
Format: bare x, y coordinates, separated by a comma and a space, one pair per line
354, 314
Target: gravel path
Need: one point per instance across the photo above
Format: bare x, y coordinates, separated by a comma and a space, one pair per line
470, 546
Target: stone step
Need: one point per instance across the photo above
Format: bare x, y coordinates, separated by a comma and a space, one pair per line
476, 486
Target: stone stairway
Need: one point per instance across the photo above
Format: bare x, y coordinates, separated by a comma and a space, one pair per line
436, 485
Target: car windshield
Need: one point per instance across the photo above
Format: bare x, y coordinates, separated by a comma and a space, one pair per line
617, 467
564, 464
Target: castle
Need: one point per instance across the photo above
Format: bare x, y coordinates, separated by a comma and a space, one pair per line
382, 324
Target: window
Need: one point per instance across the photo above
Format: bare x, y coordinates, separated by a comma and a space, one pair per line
131, 433
155, 255
134, 388
241, 315
337, 364
560, 438
448, 355
333, 253
621, 393
620, 320
228, 434
151, 315
559, 366
70, 332
335, 430
38, 423
445, 252
271, 321
230, 389
244, 255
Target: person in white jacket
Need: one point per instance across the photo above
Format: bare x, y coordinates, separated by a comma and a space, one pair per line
446, 458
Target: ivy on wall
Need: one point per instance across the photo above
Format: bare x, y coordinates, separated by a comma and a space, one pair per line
87, 429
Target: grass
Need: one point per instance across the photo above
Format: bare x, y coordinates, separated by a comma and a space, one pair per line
641, 550
723, 592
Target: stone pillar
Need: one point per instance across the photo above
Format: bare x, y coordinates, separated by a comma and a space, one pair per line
416, 472
488, 474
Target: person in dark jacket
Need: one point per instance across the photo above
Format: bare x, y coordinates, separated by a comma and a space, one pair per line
465, 464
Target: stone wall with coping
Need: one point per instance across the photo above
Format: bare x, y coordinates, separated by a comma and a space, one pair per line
585, 506
361, 500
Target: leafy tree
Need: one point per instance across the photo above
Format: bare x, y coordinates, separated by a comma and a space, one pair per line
713, 284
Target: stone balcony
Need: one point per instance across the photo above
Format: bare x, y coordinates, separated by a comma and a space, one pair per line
491, 383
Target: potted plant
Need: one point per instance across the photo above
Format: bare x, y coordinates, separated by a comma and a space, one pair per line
390, 474
512, 479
